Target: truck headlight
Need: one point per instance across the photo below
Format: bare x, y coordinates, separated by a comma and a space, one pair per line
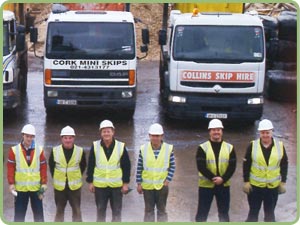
127, 94
255, 101
52, 93
177, 99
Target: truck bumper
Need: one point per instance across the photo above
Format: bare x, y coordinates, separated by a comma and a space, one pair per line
202, 106
11, 98
89, 98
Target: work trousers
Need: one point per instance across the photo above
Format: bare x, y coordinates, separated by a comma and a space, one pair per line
61, 199
205, 199
114, 195
21, 203
156, 198
269, 198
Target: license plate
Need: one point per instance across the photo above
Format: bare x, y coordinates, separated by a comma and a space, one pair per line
66, 102
216, 115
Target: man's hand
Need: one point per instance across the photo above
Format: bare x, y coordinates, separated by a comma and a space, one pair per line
139, 189
247, 188
44, 187
125, 189
92, 187
166, 183
217, 180
12, 187
281, 188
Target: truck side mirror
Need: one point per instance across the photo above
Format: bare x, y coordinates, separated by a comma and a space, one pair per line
145, 36
33, 34
162, 37
20, 39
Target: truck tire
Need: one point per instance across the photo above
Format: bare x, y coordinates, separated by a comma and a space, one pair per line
281, 85
287, 26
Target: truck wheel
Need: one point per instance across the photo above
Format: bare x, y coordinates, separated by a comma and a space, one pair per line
128, 113
23, 83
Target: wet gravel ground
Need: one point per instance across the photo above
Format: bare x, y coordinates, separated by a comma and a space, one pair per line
185, 135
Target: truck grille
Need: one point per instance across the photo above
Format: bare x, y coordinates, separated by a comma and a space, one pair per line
212, 84
90, 77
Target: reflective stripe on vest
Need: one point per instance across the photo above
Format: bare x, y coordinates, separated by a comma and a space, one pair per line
108, 173
64, 170
261, 174
27, 178
155, 170
211, 163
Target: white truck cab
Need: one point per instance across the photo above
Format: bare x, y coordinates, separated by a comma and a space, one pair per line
90, 60
213, 66
14, 62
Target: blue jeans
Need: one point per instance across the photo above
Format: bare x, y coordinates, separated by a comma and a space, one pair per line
255, 198
21, 203
205, 199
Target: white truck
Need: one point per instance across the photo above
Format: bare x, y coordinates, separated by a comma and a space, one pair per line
90, 59
14, 62
212, 66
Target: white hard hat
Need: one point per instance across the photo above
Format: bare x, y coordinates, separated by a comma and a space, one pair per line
67, 131
215, 123
156, 129
106, 123
265, 125
28, 129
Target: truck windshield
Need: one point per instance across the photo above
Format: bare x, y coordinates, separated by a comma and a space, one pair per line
79, 40
218, 44
5, 39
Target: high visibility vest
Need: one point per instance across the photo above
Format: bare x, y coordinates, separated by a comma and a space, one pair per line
64, 170
27, 178
211, 163
155, 170
108, 173
261, 174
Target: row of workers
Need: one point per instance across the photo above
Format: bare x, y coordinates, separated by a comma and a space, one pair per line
108, 173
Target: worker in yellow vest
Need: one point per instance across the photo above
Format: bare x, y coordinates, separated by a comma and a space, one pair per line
27, 175
265, 169
67, 163
216, 162
108, 172
155, 170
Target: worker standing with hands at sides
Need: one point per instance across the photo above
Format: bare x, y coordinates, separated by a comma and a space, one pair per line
265, 169
155, 170
27, 175
216, 162
108, 172
67, 163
